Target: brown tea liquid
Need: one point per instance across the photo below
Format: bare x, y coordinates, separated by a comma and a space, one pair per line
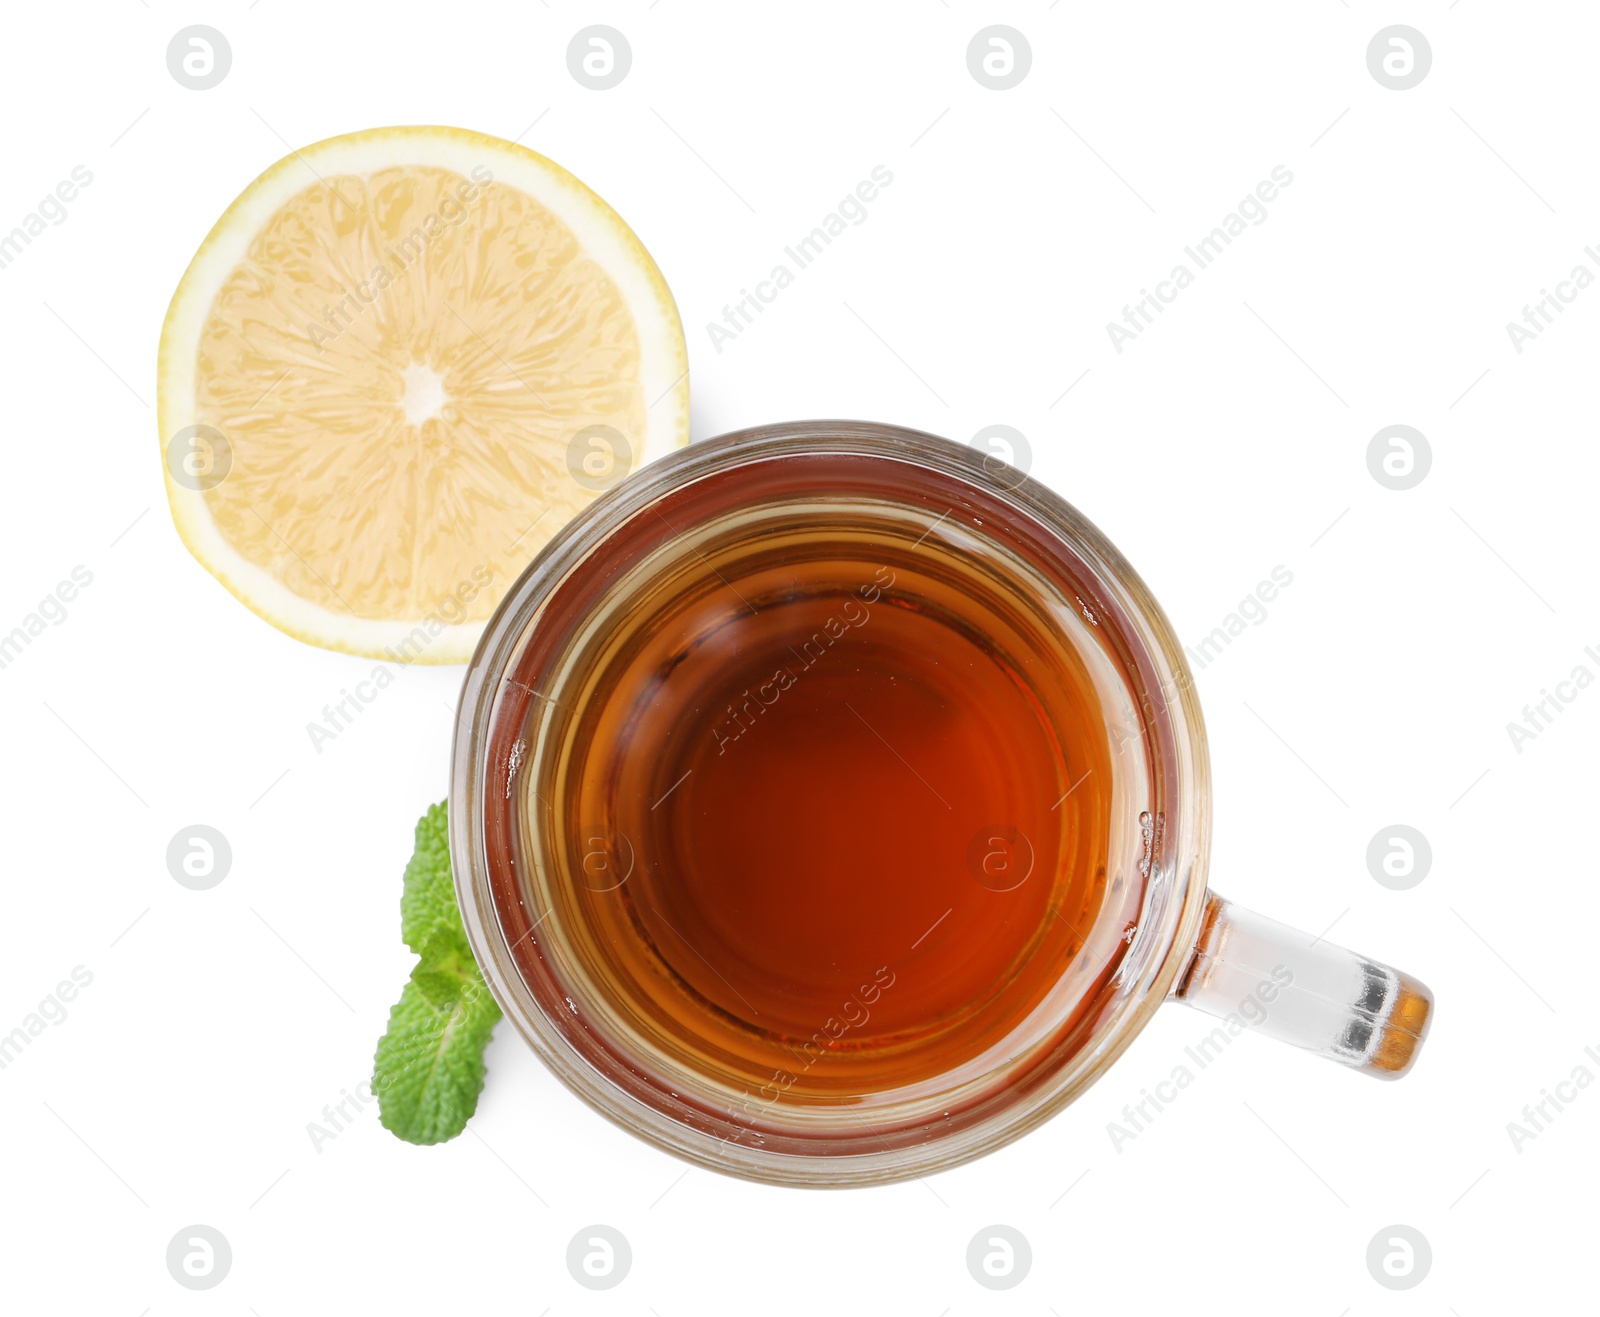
829, 797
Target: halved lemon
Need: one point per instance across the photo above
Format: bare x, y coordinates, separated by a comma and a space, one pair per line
397, 365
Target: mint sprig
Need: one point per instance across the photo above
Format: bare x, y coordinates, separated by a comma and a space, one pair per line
429, 1068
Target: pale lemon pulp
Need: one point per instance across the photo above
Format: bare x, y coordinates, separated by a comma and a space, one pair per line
399, 365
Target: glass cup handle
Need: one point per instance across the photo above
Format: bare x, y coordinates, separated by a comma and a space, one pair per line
1264, 976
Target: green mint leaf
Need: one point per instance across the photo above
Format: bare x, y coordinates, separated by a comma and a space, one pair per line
429, 1068
428, 900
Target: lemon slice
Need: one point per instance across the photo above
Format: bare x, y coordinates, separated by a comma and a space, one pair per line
397, 365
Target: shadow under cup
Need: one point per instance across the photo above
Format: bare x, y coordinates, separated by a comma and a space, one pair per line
828, 804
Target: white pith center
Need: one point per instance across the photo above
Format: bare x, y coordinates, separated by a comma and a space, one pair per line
425, 396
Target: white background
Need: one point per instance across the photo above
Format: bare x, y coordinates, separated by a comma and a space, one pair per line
1223, 442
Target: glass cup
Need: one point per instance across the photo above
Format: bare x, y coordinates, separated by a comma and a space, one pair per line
1160, 934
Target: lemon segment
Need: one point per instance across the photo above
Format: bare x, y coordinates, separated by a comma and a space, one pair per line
400, 362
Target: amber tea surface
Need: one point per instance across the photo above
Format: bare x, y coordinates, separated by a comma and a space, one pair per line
830, 796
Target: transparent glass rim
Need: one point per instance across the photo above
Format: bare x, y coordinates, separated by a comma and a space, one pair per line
1167, 931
